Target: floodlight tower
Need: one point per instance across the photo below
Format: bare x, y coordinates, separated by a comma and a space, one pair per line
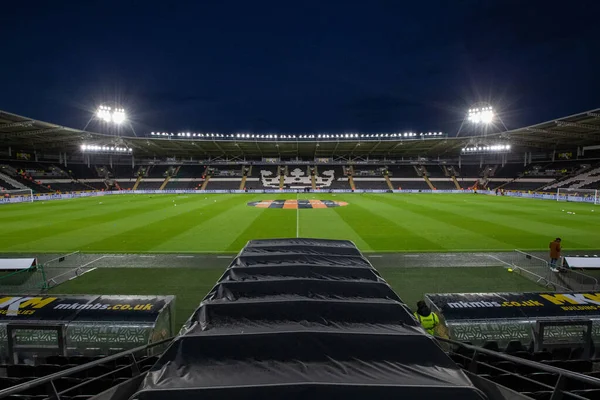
482, 118
111, 118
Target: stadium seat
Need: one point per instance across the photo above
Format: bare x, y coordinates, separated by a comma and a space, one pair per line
98, 370
523, 354
20, 371
561, 353
63, 384
491, 345
47, 369
514, 346
58, 360
80, 360
592, 394
576, 353
581, 366
516, 383
541, 395
543, 377
507, 366
542, 356
6, 382
93, 387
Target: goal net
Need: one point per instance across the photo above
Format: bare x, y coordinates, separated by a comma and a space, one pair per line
25, 194
577, 195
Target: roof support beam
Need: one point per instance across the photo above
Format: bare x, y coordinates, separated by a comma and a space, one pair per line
577, 125
569, 135
29, 133
16, 124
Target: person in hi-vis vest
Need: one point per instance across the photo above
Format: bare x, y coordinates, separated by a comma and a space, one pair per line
427, 318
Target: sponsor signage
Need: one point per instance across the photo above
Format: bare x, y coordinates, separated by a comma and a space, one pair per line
488, 306
81, 308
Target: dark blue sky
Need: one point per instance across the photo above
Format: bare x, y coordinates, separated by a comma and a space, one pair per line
284, 66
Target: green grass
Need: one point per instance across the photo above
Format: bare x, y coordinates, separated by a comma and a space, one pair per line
190, 285
224, 223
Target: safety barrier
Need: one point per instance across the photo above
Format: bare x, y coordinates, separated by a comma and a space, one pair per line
62, 196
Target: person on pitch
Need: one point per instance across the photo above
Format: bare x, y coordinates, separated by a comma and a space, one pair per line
554, 253
427, 318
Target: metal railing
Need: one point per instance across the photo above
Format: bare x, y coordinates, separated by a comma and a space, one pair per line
48, 380
557, 390
538, 270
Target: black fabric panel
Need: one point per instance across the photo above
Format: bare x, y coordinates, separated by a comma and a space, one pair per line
299, 242
300, 260
304, 318
300, 250
303, 271
299, 309
312, 288
316, 392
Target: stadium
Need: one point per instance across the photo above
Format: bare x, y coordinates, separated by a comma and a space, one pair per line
246, 265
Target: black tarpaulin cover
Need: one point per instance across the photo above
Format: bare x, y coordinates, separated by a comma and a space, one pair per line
303, 319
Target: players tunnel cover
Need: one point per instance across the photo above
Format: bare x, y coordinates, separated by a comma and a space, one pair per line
295, 204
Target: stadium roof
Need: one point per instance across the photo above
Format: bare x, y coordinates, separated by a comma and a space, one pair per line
26, 134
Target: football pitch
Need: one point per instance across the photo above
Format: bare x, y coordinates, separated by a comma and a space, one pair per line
223, 223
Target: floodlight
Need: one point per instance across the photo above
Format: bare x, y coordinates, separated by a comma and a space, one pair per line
481, 115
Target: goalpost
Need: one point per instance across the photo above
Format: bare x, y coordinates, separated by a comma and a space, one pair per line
577, 195
26, 194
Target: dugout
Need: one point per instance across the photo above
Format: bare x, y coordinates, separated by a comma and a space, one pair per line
16, 271
90, 325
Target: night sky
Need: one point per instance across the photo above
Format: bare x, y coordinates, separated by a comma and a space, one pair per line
305, 66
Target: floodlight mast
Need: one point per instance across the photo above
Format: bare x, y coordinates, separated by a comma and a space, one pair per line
481, 116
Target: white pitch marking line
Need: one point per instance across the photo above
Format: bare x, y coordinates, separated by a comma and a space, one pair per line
412, 255
185, 256
375, 256
147, 256
224, 257
115, 256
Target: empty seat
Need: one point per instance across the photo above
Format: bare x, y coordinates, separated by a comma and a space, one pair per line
561, 353
63, 384
491, 345
581, 366
517, 383
507, 366
576, 353
523, 354
542, 356
79, 360
95, 386
20, 371
513, 346
544, 377
593, 394
58, 360
47, 369
98, 370
541, 395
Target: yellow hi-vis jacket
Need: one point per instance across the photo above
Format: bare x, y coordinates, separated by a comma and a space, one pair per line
429, 322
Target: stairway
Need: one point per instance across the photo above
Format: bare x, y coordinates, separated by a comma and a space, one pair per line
313, 178
428, 182
167, 179
243, 183
282, 171
11, 182
456, 182
203, 187
351, 177
389, 183
137, 182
